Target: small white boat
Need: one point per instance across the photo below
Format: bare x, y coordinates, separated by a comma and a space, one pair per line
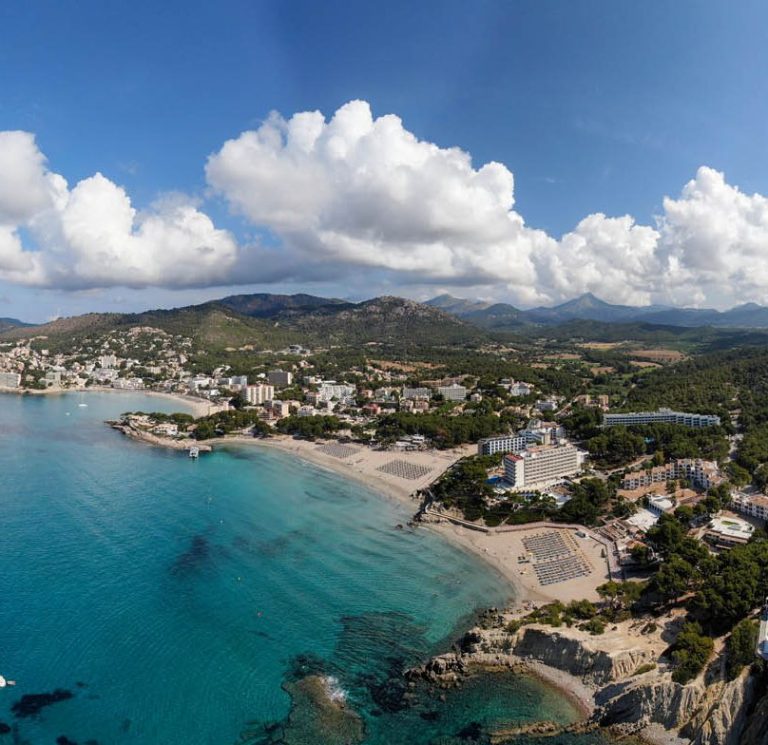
194, 452
4, 682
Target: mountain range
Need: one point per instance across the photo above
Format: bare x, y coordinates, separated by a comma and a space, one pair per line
273, 321
12, 323
588, 307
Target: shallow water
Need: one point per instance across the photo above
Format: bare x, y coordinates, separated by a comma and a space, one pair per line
176, 599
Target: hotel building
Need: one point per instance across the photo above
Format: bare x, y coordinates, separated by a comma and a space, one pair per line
703, 474
542, 465
754, 505
453, 392
502, 444
666, 416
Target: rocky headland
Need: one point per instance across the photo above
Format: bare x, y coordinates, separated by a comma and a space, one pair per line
621, 679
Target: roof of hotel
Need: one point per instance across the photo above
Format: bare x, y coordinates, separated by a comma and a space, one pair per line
731, 526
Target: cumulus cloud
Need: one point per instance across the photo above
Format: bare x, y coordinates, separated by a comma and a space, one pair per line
355, 193
92, 236
716, 236
26, 187
359, 191
366, 192
609, 256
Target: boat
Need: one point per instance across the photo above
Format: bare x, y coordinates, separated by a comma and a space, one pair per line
194, 452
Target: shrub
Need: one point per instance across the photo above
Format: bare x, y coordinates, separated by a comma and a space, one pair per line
595, 626
646, 668
691, 652
740, 647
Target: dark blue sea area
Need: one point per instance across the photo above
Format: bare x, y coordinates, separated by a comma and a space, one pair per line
146, 598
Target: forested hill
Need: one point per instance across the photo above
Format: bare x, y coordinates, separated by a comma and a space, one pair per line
733, 384
277, 321
265, 305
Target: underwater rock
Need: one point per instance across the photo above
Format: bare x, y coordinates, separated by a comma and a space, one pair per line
319, 714
198, 553
473, 732
30, 704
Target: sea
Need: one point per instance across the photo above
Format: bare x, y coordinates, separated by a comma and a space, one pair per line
149, 598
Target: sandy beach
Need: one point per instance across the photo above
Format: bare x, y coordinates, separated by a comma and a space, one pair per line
405, 472
503, 549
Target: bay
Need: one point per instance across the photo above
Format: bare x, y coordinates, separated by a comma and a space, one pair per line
175, 601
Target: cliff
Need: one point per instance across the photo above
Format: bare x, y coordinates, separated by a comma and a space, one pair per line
623, 680
582, 657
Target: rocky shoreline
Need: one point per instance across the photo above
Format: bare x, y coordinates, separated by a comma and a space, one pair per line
163, 442
623, 690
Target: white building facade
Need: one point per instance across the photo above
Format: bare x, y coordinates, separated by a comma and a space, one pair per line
666, 416
259, 394
453, 392
501, 444
542, 466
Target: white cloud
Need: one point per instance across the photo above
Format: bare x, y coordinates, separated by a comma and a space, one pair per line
365, 192
361, 199
14, 261
92, 236
25, 185
362, 192
716, 237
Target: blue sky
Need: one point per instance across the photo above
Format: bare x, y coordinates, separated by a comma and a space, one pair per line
595, 107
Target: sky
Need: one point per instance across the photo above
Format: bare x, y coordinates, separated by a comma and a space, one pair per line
162, 154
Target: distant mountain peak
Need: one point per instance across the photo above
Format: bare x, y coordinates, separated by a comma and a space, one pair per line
586, 300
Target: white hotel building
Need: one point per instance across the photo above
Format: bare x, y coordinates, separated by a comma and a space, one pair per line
754, 505
662, 415
502, 444
453, 392
542, 465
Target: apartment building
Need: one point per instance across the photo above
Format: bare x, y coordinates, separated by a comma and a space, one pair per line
280, 378
10, 380
330, 391
415, 394
259, 394
520, 389
539, 432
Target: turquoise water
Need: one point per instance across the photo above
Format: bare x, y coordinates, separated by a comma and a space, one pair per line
175, 600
